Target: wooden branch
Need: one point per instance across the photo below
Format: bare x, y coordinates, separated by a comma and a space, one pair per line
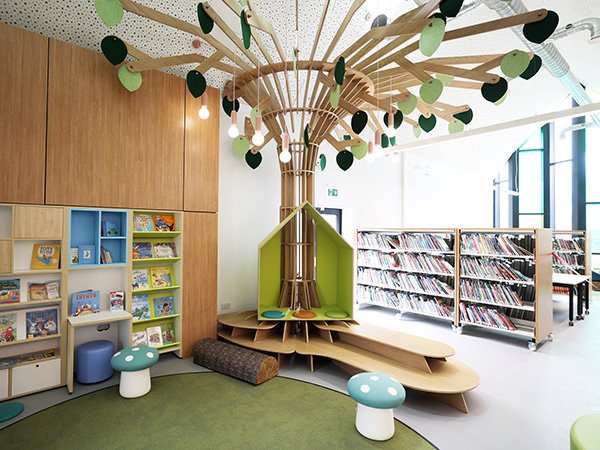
413, 69
470, 74
349, 15
341, 145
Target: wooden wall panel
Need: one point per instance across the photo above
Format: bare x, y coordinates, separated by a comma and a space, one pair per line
199, 279
23, 87
202, 153
107, 146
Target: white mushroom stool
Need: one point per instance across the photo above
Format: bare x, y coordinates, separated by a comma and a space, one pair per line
377, 395
134, 364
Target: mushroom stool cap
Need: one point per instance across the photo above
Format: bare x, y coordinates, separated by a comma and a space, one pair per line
132, 359
376, 390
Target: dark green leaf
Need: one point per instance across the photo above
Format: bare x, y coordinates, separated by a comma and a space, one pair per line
494, 92
344, 159
196, 83
114, 49
541, 30
253, 159
359, 121
206, 23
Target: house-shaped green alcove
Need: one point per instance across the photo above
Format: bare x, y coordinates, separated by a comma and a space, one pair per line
333, 271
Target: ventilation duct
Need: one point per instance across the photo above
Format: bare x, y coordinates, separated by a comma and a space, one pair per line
592, 25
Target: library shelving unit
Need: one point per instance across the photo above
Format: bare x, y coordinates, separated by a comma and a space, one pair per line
506, 282
408, 270
156, 248
33, 311
571, 253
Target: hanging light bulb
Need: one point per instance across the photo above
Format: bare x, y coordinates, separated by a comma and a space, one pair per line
377, 150
233, 131
370, 156
390, 130
285, 156
396, 158
204, 113
258, 138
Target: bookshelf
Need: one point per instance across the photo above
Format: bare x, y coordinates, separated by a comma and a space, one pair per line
571, 254
156, 305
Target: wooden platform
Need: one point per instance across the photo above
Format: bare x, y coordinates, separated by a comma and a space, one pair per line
418, 363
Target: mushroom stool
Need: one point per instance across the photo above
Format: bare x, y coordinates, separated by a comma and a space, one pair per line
584, 433
377, 395
134, 364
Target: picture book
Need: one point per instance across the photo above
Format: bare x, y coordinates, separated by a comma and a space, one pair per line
105, 256
34, 356
154, 337
164, 222
41, 323
139, 338
161, 277
140, 279
9, 361
168, 333
10, 291
45, 256
110, 228
165, 250
143, 222
140, 310
141, 250
117, 300
74, 255
8, 327
163, 306
49, 290
85, 302
87, 254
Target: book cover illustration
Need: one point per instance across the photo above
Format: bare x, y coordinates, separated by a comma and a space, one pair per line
110, 228
165, 250
163, 306
164, 222
49, 290
41, 323
140, 310
87, 254
139, 338
161, 277
168, 333
143, 222
10, 291
154, 336
139, 279
45, 256
141, 250
85, 302
74, 255
117, 300
8, 327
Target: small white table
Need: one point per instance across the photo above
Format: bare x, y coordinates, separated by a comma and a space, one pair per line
574, 282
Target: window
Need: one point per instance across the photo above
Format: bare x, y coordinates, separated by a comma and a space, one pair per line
561, 173
592, 189
530, 162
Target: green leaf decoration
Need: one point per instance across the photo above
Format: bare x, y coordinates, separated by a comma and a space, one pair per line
340, 71
334, 96
380, 21
393, 141
455, 126
431, 90
229, 106
535, 64
445, 79
110, 11
131, 80
253, 159
417, 131
407, 106
253, 113
439, 16
360, 151
514, 63
322, 162
359, 121
494, 92
246, 33
465, 116
450, 8
196, 83
501, 100
385, 141
114, 49
541, 30
432, 36
306, 137
347, 137
344, 159
206, 22
427, 123
398, 118
243, 3
240, 145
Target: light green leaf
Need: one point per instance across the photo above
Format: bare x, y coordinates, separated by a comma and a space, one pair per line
110, 11
431, 90
432, 36
131, 80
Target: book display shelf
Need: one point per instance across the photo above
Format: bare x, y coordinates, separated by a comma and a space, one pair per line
155, 273
571, 254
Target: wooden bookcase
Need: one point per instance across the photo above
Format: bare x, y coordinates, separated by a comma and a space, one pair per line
571, 253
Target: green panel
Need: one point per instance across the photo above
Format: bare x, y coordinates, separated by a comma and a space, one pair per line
269, 262
345, 277
327, 268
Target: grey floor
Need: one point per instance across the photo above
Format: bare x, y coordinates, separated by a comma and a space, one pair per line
526, 400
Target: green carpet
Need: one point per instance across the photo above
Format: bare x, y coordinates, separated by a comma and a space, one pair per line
204, 411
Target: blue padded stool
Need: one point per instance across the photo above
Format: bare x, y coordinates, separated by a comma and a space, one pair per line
93, 361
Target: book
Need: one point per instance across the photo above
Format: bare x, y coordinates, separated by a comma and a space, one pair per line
49, 290
154, 336
140, 310
10, 291
74, 255
141, 250
139, 338
9, 361
163, 306
117, 300
85, 302
8, 327
45, 256
164, 222
105, 256
143, 222
164, 250
87, 254
168, 333
139, 279
42, 322
110, 228
161, 277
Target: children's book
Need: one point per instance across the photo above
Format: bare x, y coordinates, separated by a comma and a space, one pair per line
143, 222
49, 290
168, 333
141, 250
140, 279
105, 256
140, 310
117, 300
154, 336
87, 254
165, 250
41, 323
163, 306
74, 255
139, 338
10, 291
45, 256
85, 302
164, 222
110, 228
8, 327
161, 277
